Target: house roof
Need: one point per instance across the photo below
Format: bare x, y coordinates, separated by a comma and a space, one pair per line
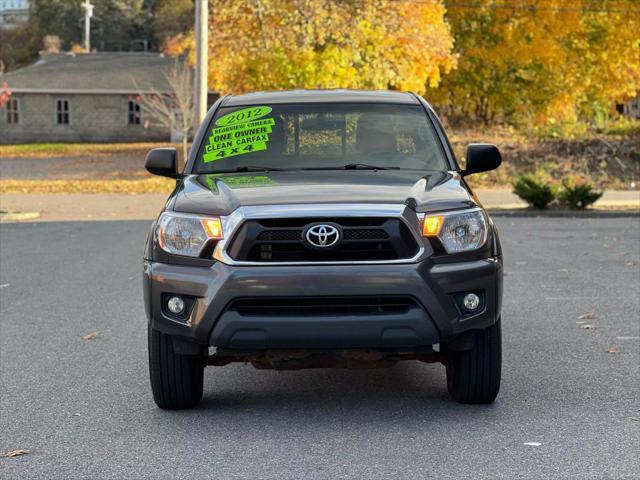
104, 72
322, 96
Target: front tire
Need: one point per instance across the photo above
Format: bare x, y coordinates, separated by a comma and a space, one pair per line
473, 376
176, 380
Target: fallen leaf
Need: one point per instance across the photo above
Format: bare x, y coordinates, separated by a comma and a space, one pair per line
635, 419
588, 327
533, 444
587, 316
91, 336
631, 264
614, 349
15, 453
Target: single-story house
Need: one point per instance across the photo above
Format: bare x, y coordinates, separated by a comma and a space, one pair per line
93, 97
13, 13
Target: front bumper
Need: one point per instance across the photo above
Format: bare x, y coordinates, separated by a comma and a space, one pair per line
213, 289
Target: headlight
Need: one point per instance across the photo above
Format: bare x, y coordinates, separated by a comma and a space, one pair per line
458, 231
183, 234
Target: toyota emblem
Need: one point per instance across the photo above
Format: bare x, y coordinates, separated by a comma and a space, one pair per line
322, 235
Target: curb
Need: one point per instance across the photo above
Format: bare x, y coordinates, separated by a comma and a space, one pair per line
17, 216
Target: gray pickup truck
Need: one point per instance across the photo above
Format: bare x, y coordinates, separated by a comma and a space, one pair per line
322, 228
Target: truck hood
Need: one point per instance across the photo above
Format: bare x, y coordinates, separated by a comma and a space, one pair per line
221, 194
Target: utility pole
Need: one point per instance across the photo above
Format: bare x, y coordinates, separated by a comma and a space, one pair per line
202, 46
88, 13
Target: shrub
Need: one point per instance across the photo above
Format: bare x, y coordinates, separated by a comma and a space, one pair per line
578, 196
534, 190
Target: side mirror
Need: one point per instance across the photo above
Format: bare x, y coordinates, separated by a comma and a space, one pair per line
482, 157
163, 162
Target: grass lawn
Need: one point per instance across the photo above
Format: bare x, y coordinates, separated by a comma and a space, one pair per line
49, 150
79, 168
145, 185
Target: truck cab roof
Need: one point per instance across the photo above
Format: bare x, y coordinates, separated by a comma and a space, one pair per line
320, 96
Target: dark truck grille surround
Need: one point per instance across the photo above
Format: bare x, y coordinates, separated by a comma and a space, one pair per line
363, 239
318, 306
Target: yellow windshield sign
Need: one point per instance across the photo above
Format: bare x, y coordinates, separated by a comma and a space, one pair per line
238, 133
238, 181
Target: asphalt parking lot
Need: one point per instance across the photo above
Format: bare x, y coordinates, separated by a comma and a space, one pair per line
568, 408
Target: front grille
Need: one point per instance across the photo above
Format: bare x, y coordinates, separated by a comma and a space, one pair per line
295, 234
319, 306
280, 235
283, 240
365, 234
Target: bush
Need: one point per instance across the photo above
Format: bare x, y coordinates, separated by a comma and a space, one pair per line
578, 196
534, 190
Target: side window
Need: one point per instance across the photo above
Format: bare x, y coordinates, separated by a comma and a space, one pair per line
13, 111
134, 112
62, 111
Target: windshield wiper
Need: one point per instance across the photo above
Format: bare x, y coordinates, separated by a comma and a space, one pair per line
247, 168
353, 166
364, 166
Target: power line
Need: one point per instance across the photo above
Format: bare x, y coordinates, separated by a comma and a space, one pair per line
515, 6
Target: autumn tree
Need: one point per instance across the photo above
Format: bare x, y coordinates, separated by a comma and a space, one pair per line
542, 63
280, 44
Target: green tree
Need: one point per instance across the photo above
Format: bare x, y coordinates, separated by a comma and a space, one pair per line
116, 24
171, 18
122, 25
57, 17
18, 47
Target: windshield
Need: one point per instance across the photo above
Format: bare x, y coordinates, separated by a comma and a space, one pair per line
320, 136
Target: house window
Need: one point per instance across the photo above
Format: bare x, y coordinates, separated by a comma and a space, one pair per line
62, 111
13, 111
135, 114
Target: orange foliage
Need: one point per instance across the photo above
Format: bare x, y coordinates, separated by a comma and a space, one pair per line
278, 44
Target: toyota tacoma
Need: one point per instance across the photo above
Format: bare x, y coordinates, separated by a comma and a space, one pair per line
322, 228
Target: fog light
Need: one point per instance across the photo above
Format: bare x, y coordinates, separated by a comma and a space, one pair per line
176, 305
471, 301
